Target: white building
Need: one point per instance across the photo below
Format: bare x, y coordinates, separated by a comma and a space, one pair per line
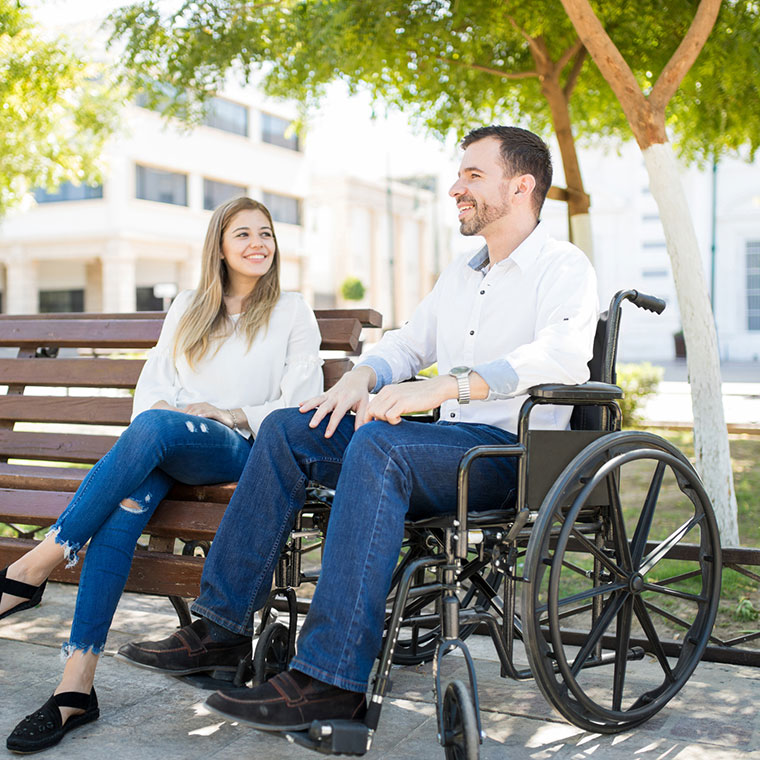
104, 248
630, 251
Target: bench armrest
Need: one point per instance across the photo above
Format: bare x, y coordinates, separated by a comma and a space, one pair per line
591, 392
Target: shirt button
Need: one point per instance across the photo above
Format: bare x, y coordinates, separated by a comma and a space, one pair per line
482, 292
472, 332
453, 414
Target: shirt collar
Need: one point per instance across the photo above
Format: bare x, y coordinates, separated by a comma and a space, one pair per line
523, 256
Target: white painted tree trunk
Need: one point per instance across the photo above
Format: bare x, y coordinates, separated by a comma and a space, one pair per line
580, 229
703, 362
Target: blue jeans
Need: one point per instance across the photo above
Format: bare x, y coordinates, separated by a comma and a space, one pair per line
382, 474
157, 449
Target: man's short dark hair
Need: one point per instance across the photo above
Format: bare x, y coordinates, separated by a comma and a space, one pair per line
522, 152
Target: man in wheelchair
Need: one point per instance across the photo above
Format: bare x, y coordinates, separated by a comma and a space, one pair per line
521, 312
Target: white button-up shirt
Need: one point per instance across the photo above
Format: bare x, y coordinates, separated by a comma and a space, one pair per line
526, 320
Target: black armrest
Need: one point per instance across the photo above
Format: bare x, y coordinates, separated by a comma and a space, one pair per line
587, 392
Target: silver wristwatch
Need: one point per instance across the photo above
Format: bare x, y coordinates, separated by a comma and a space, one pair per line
462, 375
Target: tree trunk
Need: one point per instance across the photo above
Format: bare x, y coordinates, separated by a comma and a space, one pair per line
710, 433
578, 201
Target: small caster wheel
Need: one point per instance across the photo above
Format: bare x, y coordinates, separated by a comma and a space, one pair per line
460, 726
272, 654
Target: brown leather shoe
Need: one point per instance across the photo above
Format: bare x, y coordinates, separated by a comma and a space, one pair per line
289, 701
188, 650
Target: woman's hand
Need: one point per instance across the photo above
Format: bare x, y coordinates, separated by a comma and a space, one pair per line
210, 412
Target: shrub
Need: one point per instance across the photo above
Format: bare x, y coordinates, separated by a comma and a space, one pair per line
352, 289
639, 382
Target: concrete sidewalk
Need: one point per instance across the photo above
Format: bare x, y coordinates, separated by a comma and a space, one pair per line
741, 396
151, 717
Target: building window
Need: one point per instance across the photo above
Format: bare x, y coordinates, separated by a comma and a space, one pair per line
161, 186
753, 285
145, 300
69, 192
52, 301
216, 193
283, 208
274, 129
226, 115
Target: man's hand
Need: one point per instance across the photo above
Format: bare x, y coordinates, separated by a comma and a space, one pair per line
350, 393
407, 398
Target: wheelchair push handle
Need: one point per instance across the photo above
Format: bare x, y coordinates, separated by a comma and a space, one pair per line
650, 303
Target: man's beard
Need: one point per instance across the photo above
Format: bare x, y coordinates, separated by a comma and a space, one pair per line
483, 216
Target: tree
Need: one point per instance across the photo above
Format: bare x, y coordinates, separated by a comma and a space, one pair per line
57, 110
455, 64
645, 112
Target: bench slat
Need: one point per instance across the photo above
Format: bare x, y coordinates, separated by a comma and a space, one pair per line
37, 478
73, 373
71, 409
184, 519
151, 573
337, 334
368, 317
58, 447
340, 334
80, 333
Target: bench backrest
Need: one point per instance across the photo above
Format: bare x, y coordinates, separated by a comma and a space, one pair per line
51, 388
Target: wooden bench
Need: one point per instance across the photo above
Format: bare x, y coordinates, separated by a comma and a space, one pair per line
85, 357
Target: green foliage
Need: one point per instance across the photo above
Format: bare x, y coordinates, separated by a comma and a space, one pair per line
639, 382
57, 110
745, 610
352, 289
450, 64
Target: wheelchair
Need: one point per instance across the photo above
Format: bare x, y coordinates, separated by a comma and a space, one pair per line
612, 542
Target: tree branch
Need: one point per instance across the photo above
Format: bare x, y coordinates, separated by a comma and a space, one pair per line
687, 52
572, 77
603, 50
488, 70
562, 61
537, 52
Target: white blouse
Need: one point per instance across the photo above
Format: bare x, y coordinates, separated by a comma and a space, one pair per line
281, 367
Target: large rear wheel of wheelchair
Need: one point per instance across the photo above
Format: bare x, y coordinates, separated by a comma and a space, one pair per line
272, 654
460, 725
623, 562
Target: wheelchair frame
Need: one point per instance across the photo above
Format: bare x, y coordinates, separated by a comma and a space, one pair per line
580, 512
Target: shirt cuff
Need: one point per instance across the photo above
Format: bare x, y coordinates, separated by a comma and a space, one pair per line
500, 376
383, 371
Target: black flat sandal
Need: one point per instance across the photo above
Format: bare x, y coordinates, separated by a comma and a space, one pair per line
33, 594
43, 729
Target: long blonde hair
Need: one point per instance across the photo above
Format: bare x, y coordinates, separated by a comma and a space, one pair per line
206, 320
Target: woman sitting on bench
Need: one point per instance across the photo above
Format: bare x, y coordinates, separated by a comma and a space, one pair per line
229, 353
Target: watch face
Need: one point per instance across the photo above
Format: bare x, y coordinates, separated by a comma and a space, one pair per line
459, 371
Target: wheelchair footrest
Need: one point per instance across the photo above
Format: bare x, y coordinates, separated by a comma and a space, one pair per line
334, 737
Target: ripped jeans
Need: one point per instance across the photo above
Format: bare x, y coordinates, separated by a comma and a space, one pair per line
120, 493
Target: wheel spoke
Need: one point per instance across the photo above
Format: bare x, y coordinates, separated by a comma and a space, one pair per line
591, 593
619, 537
665, 546
622, 637
665, 590
612, 608
641, 534
651, 633
596, 552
